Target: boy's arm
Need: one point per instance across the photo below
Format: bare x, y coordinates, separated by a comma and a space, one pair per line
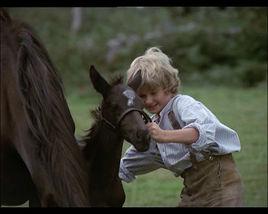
185, 136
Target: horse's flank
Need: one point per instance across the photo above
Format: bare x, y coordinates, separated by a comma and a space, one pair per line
55, 162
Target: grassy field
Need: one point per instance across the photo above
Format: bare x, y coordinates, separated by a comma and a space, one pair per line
244, 110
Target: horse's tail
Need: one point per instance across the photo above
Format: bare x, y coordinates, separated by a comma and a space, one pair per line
49, 118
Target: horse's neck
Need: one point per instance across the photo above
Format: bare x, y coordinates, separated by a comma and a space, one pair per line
105, 151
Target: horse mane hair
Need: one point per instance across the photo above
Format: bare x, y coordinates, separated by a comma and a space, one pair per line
42, 91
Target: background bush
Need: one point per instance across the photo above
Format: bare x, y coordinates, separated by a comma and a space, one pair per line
209, 45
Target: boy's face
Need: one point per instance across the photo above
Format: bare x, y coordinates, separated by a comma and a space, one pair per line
154, 99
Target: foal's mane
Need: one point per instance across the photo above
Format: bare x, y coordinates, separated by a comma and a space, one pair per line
47, 113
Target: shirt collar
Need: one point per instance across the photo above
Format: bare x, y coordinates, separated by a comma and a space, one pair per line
166, 109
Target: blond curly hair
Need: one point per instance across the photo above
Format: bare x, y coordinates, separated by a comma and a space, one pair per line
156, 71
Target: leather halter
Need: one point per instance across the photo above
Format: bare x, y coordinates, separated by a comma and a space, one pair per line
146, 118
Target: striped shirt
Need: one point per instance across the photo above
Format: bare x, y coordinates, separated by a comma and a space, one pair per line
215, 138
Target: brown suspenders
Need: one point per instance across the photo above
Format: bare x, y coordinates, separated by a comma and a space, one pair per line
175, 124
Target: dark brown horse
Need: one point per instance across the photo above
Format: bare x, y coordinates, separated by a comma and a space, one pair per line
120, 116
40, 160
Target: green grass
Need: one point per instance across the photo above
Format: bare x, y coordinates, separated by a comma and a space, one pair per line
244, 110
81, 102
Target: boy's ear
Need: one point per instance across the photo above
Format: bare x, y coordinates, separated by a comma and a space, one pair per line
99, 83
136, 81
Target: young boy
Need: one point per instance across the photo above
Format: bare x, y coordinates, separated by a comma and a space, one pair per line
187, 138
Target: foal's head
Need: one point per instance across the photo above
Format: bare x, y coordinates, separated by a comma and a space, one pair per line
122, 109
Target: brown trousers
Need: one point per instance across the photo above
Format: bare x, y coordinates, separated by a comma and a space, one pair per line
214, 182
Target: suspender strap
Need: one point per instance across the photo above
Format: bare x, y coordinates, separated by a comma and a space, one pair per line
175, 124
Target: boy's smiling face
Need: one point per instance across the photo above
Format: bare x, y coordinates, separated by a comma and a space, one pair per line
154, 99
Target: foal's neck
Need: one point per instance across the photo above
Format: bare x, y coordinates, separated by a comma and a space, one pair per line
105, 151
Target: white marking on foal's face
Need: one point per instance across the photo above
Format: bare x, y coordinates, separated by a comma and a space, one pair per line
130, 95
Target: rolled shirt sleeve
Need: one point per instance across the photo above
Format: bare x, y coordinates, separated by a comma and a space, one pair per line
214, 137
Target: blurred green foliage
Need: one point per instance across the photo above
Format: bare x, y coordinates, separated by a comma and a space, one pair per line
209, 45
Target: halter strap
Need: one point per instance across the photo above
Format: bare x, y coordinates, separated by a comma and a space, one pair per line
146, 118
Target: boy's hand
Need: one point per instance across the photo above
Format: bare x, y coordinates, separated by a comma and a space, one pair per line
155, 131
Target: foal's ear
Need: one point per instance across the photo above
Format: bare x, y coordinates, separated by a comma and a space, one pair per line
99, 83
136, 81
